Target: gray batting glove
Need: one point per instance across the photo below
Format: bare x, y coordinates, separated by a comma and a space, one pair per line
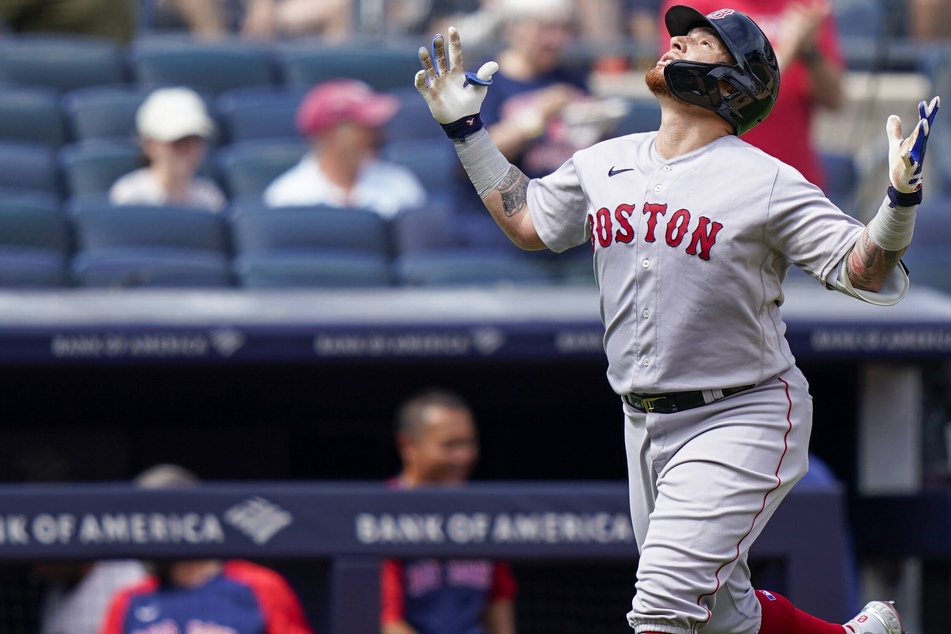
906, 155
454, 96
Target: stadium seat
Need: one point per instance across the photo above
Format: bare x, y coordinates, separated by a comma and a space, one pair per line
472, 267
248, 167
31, 114
318, 246
60, 62
575, 267
29, 166
935, 64
102, 112
426, 228
413, 120
91, 167
259, 113
35, 241
433, 160
842, 179
157, 246
643, 116
382, 68
209, 67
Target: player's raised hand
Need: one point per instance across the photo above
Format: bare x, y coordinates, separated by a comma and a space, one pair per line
906, 155
453, 95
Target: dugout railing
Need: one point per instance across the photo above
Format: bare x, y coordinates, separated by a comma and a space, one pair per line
347, 528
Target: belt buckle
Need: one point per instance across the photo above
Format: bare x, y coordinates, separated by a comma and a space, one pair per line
647, 404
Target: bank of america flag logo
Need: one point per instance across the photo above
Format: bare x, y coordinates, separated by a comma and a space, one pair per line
258, 518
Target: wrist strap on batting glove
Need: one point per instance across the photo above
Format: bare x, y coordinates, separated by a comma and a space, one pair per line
902, 199
461, 128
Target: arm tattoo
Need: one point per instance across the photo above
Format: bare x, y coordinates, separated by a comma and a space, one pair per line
868, 264
514, 190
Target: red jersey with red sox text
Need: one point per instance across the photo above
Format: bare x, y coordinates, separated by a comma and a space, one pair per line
690, 255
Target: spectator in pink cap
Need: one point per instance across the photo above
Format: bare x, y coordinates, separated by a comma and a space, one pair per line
343, 119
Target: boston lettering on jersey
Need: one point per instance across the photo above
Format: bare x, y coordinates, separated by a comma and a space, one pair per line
608, 228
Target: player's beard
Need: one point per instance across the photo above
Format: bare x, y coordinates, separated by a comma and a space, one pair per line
656, 82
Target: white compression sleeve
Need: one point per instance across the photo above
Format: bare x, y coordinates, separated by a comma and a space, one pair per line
483, 162
892, 227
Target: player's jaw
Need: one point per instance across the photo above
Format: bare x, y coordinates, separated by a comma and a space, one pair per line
656, 82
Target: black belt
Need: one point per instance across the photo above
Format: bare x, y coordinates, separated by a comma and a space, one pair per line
674, 402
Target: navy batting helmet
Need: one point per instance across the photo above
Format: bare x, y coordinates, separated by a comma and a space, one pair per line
752, 79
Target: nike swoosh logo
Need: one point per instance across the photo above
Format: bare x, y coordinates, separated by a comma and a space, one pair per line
614, 172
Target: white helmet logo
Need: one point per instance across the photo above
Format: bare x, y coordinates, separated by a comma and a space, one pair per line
722, 13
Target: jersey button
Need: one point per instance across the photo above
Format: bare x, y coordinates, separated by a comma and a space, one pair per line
646, 264
667, 168
645, 361
657, 188
646, 313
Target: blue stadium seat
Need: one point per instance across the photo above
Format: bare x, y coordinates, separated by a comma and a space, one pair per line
935, 64
382, 68
413, 120
35, 241
31, 114
473, 267
91, 167
248, 167
155, 246
60, 62
433, 160
29, 166
842, 179
102, 112
209, 67
426, 228
318, 246
259, 113
643, 116
575, 267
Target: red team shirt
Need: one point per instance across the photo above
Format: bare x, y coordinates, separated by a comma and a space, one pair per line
785, 133
443, 597
244, 599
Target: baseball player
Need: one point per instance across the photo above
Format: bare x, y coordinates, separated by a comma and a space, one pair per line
692, 232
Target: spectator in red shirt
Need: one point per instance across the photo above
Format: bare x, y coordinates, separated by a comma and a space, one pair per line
811, 67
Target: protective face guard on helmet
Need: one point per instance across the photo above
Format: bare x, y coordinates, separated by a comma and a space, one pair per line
744, 92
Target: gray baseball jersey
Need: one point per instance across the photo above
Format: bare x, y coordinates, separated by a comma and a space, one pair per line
690, 255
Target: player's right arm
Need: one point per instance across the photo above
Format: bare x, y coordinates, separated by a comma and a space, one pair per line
455, 99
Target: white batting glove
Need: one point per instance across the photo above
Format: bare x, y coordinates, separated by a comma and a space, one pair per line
906, 156
453, 95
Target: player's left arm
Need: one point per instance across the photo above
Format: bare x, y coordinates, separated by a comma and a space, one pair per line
882, 243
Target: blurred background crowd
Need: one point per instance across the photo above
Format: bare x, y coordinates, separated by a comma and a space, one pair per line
214, 105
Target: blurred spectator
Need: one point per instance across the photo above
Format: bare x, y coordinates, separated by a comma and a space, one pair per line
804, 37
438, 445
538, 110
233, 596
174, 127
78, 593
929, 20
112, 19
332, 20
343, 120
256, 19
